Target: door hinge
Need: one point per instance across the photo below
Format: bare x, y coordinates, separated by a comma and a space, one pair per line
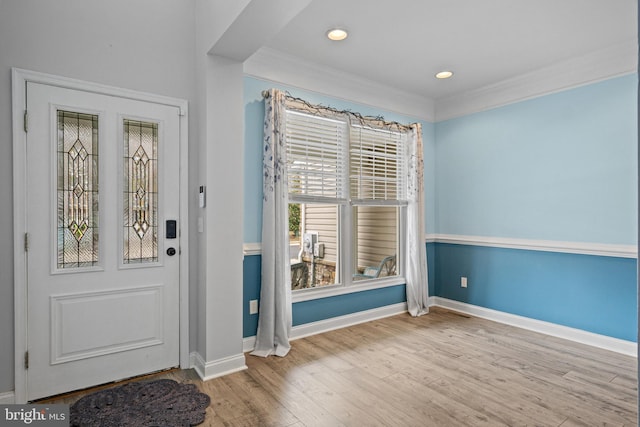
26, 360
26, 121
26, 242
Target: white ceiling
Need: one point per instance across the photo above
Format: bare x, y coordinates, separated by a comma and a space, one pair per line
403, 43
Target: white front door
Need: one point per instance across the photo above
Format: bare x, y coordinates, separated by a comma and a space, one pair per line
102, 177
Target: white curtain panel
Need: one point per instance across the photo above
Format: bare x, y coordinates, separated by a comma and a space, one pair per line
274, 324
416, 256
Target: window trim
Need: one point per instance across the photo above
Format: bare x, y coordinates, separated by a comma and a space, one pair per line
345, 231
309, 294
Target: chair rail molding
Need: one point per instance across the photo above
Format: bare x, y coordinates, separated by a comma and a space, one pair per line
249, 249
583, 248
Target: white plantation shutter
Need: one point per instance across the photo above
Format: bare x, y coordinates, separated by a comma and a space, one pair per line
316, 157
377, 165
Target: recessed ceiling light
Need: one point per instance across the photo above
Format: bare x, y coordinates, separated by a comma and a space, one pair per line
337, 34
444, 74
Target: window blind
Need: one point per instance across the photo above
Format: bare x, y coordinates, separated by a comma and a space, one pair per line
316, 157
377, 165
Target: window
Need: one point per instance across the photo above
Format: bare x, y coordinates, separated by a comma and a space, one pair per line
347, 192
314, 251
376, 241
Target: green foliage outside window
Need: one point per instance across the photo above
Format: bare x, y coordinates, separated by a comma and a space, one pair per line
294, 218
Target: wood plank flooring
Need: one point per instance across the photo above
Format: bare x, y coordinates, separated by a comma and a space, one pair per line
442, 369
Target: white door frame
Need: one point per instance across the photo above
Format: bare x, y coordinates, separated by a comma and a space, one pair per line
19, 80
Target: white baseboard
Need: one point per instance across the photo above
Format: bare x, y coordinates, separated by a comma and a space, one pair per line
8, 398
248, 344
327, 325
629, 348
217, 368
205, 370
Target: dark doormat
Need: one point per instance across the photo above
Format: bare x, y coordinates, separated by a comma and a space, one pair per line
161, 403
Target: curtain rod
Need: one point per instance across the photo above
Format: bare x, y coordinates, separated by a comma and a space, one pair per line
374, 121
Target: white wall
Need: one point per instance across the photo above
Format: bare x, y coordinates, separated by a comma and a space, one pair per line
143, 45
239, 29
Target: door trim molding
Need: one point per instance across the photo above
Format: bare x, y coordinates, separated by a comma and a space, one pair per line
19, 80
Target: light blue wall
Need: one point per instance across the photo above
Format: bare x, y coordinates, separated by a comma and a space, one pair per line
320, 309
560, 167
592, 293
251, 273
325, 308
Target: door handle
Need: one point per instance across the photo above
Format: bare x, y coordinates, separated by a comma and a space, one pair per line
171, 251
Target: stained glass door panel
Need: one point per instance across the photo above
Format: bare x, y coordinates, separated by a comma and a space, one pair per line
140, 210
77, 189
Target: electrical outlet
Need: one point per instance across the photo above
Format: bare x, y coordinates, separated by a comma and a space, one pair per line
463, 282
253, 306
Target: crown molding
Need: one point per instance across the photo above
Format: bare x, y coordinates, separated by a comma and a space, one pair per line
279, 67
615, 61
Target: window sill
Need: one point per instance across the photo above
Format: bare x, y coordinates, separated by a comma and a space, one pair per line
335, 290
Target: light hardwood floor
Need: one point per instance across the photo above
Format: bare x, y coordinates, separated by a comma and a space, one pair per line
443, 369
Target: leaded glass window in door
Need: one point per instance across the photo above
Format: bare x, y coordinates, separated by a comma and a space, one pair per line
140, 192
77, 189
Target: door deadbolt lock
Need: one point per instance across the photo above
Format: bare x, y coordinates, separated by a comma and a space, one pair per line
171, 228
171, 251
